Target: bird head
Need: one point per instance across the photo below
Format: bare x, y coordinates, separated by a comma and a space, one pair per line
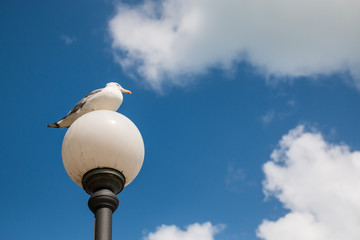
116, 85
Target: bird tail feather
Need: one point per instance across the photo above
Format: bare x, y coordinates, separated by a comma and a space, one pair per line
53, 125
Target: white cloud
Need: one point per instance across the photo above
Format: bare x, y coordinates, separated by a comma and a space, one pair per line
235, 178
272, 115
196, 231
168, 41
268, 117
319, 183
67, 39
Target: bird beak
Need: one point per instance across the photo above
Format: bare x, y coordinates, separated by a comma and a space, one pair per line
126, 91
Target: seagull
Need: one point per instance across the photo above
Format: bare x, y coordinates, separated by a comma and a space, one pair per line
107, 98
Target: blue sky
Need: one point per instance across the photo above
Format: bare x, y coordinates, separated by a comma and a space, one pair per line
249, 116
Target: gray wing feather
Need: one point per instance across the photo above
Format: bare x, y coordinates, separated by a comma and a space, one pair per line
83, 101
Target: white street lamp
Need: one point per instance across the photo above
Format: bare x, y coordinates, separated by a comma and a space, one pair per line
103, 152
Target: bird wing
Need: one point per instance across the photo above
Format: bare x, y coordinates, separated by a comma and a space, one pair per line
83, 101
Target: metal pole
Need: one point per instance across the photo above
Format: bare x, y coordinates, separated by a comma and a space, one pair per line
103, 223
103, 184
103, 203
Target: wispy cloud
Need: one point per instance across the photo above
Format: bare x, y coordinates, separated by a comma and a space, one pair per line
272, 115
196, 231
67, 39
167, 41
291, 103
235, 177
319, 183
268, 117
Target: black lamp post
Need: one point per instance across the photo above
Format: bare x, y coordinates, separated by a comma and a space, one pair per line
102, 152
103, 184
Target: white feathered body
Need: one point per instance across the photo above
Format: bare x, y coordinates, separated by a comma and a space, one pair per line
108, 98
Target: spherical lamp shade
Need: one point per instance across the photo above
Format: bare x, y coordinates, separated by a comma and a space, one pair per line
103, 139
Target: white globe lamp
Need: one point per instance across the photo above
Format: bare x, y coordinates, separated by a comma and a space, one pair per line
103, 152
